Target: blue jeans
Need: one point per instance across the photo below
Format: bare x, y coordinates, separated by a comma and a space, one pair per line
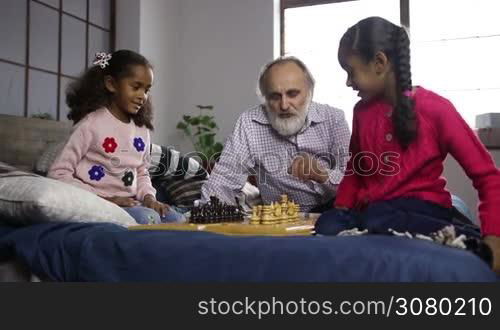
404, 214
145, 216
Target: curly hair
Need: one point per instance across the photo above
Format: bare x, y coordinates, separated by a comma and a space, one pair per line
89, 93
375, 34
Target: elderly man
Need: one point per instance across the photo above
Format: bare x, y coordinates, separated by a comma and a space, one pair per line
293, 145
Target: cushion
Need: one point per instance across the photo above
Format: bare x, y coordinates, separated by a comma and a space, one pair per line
27, 198
177, 178
181, 193
48, 156
166, 162
7, 169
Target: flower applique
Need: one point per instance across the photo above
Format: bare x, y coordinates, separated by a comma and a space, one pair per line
139, 144
96, 173
128, 179
109, 145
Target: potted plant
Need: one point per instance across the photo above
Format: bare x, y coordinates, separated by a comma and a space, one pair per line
44, 115
201, 130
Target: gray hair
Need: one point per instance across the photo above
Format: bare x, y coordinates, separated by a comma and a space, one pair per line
281, 60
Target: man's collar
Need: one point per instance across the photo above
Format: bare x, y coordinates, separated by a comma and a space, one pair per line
314, 115
260, 116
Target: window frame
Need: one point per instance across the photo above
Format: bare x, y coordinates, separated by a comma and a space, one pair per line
404, 9
26, 64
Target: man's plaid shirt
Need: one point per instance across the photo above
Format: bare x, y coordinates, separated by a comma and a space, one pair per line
254, 147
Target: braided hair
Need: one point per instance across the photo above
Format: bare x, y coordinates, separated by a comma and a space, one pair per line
88, 93
375, 34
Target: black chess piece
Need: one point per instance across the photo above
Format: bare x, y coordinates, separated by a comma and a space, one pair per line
216, 211
218, 214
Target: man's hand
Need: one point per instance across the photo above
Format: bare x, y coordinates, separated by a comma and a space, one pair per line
494, 243
151, 202
305, 167
122, 201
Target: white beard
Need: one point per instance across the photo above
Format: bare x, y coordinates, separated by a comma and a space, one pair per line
288, 126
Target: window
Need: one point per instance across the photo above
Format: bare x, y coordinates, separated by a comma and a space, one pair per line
455, 52
48, 44
454, 45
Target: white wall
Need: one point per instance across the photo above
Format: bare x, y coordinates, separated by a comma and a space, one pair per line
459, 184
223, 44
204, 52
128, 24
159, 31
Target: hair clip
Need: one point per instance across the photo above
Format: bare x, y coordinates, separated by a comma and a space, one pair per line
102, 59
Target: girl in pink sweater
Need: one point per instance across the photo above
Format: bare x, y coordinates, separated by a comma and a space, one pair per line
108, 150
400, 138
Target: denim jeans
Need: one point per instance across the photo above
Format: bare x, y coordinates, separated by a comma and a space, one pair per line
404, 214
144, 215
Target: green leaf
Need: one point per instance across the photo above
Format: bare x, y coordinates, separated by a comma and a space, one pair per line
207, 140
218, 147
195, 121
206, 120
181, 125
202, 131
204, 128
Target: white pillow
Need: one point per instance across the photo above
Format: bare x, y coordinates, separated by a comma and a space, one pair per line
27, 199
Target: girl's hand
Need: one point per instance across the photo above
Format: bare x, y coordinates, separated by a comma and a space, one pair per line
151, 202
122, 201
494, 243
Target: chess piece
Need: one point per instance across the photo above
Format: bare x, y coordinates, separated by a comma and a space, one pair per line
278, 214
284, 204
216, 211
255, 219
296, 210
291, 212
284, 198
266, 215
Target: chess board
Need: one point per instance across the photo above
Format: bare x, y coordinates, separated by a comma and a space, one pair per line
301, 227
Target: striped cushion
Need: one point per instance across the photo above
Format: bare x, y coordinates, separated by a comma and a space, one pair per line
176, 178
168, 162
181, 193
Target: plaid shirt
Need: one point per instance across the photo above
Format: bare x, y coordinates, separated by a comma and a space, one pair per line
256, 148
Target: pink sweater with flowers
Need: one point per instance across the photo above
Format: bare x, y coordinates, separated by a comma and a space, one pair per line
107, 157
380, 170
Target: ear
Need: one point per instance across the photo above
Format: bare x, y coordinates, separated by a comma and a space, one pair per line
381, 63
110, 84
